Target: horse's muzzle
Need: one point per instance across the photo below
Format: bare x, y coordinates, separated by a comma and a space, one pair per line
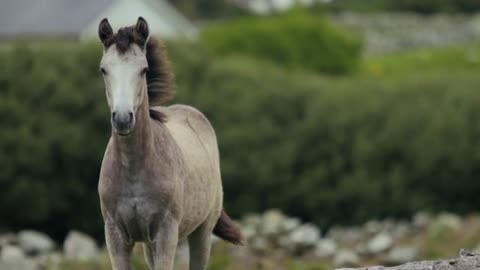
123, 122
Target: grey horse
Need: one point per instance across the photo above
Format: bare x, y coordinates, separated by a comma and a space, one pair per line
160, 178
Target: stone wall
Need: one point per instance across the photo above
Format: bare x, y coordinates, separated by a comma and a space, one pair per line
273, 235
390, 32
388, 241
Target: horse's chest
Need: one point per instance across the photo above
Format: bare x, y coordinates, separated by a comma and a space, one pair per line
138, 212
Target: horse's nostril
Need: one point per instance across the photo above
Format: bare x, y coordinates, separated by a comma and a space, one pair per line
113, 115
130, 114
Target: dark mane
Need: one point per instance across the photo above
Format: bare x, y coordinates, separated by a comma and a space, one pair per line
160, 79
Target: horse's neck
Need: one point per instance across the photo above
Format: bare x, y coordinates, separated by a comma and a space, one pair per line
138, 146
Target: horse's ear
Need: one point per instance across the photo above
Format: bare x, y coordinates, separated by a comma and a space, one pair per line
141, 29
105, 31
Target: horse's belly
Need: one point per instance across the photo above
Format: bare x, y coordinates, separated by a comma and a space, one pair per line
201, 199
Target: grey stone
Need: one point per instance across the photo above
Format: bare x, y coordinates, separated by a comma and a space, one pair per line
79, 246
9, 253
272, 223
400, 255
290, 224
346, 236
373, 227
346, 258
401, 230
443, 223
302, 239
325, 248
422, 220
33, 242
380, 243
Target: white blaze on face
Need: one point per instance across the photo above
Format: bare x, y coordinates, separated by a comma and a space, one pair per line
124, 76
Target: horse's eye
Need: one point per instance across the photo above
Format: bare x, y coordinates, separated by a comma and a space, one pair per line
103, 71
144, 71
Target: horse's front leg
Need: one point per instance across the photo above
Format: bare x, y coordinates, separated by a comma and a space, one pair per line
161, 251
118, 248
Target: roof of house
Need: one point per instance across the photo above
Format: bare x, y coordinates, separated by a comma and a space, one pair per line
80, 18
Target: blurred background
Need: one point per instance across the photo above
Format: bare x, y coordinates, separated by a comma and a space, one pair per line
348, 129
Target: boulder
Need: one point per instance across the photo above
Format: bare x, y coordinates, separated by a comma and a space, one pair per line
444, 223
380, 243
325, 248
80, 247
33, 242
10, 253
346, 258
346, 236
272, 223
401, 255
421, 220
303, 238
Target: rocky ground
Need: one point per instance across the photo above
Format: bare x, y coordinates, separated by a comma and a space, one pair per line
275, 241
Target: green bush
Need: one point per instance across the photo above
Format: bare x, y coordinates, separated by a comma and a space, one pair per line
294, 40
338, 150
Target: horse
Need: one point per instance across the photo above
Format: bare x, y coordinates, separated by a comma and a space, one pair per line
160, 181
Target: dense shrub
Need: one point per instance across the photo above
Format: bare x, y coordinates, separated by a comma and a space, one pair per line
295, 40
327, 150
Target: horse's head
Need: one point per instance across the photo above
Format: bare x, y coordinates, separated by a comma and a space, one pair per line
124, 66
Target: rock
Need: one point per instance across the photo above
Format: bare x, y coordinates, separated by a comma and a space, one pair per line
290, 224
79, 247
380, 243
272, 223
9, 253
33, 242
421, 220
401, 230
444, 223
325, 248
346, 258
302, 238
401, 255
259, 245
345, 236
373, 227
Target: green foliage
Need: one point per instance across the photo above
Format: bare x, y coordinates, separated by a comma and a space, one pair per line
385, 142
53, 127
294, 40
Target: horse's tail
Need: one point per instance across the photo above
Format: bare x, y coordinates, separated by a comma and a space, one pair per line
227, 230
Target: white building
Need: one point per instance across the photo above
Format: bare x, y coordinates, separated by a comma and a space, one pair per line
80, 18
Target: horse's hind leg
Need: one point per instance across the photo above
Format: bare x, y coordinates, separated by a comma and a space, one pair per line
199, 243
